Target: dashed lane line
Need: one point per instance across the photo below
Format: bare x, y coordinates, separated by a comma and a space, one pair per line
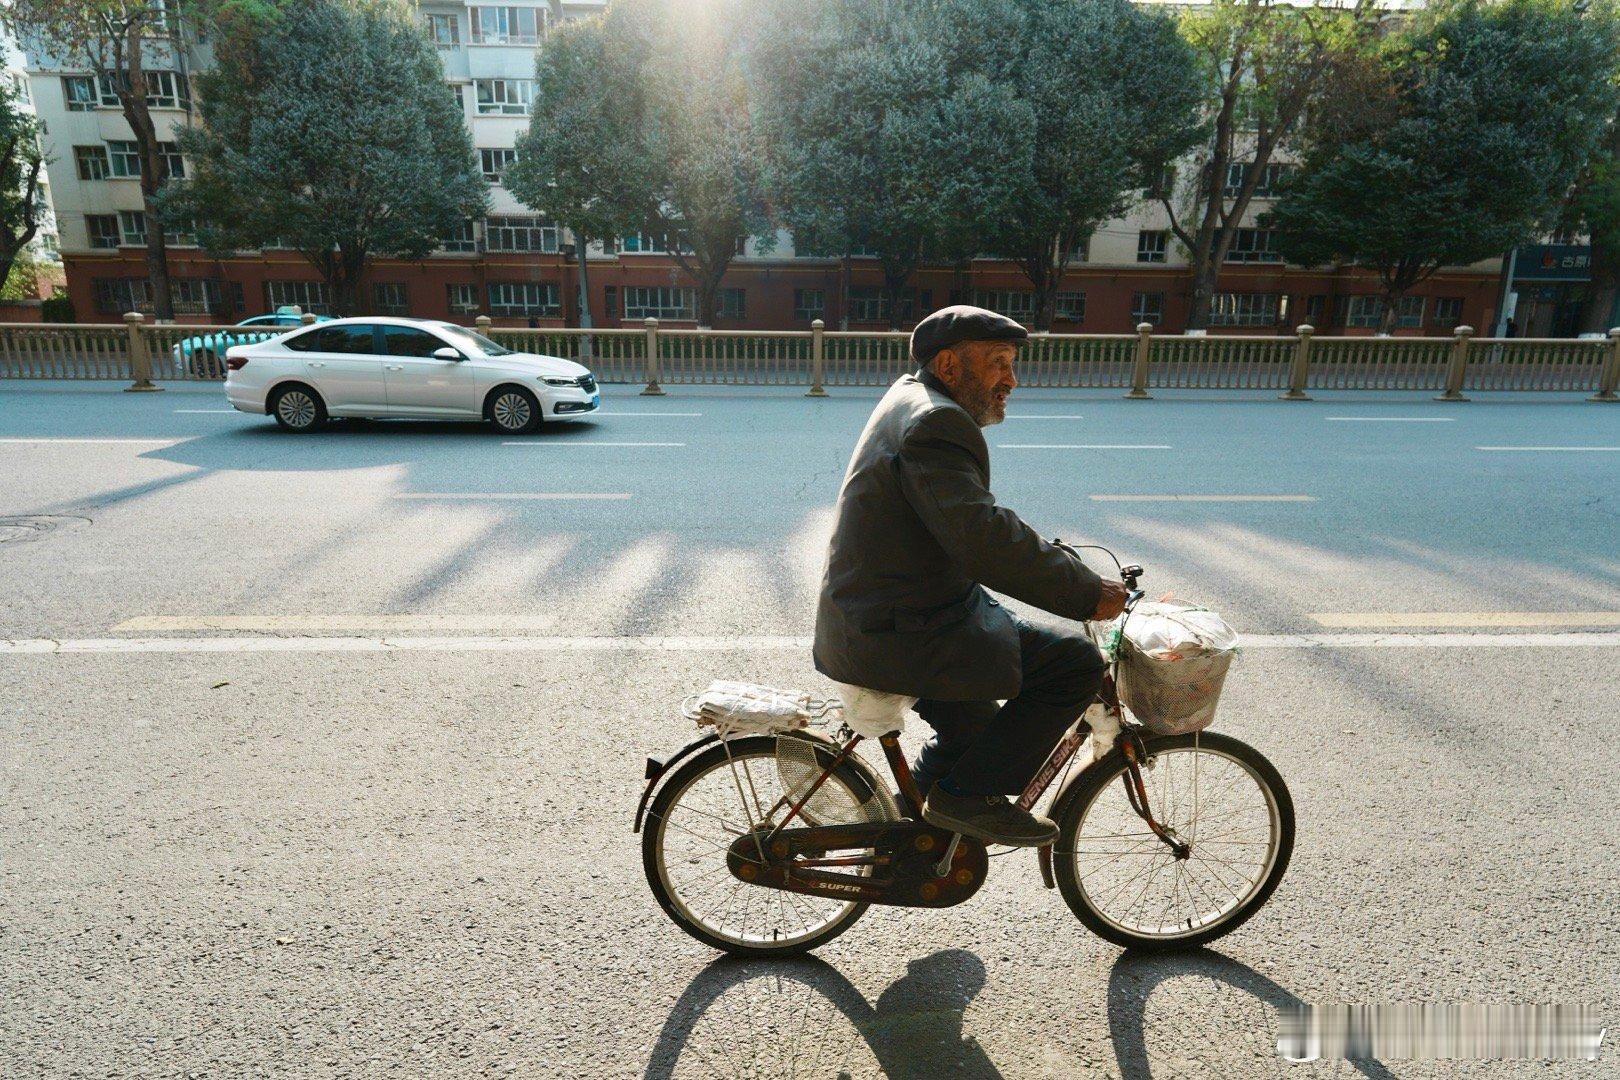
295, 624
1082, 446
653, 643
1405, 619
1205, 498
592, 442
1553, 449
550, 496
1397, 419
112, 442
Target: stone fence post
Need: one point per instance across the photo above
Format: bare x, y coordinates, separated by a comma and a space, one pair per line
1139, 372
818, 359
1300, 369
652, 358
140, 361
1458, 365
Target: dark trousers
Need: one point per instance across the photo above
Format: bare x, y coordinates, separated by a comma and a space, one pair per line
992, 749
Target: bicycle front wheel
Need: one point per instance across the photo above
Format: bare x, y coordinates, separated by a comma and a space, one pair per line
1218, 796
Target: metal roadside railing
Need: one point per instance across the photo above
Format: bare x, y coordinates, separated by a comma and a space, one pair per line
817, 358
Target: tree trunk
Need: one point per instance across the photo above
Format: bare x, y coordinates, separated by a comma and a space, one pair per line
132, 96
1600, 296
709, 295
844, 274
341, 269
1390, 302
583, 283
1203, 293
894, 285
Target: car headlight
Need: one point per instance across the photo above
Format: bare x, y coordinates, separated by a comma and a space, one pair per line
560, 380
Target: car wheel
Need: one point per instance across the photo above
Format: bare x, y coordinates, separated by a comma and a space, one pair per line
297, 407
514, 411
206, 365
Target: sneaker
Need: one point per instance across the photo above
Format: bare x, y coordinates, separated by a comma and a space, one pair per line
991, 818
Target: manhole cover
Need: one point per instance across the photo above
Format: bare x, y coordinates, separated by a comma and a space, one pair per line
20, 530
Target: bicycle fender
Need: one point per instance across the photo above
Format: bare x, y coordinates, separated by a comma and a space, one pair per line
657, 767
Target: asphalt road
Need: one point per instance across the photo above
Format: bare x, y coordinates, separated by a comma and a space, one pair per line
232, 844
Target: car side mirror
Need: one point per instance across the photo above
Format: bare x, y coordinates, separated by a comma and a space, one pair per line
447, 353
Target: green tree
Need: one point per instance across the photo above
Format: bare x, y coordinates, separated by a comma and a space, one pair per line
885, 132
22, 202
1490, 111
1263, 67
340, 140
1114, 94
1595, 209
120, 42
582, 160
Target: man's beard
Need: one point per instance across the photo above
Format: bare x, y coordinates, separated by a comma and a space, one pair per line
981, 403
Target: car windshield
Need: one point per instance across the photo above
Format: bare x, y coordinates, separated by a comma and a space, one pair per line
465, 338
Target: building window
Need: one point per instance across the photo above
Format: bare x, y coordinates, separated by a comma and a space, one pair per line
444, 29
1161, 183
166, 90
495, 162
1447, 311
463, 298
126, 158
506, 25
460, 238
504, 97
114, 296
1315, 310
524, 298
1070, 306
202, 296
102, 230
645, 244
309, 296
659, 302
132, 226
1409, 311
390, 298
868, 304
91, 162
731, 304
1013, 303
1147, 307
1244, 309
809, 304
512, 233
79, 92
1367, 310
1253, 246
1151, 245
1266, 187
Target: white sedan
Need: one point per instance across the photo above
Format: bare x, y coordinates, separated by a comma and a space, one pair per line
412, 368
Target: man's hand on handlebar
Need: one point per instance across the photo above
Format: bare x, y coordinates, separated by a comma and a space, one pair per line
1111, 602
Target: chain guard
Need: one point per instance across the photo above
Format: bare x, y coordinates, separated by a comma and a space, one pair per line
904, 857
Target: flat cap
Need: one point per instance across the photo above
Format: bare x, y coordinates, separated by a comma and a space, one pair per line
961, 322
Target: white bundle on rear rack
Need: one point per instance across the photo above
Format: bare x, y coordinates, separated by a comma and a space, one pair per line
737, 708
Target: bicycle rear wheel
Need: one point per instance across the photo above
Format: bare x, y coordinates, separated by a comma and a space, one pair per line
1217, 795
710, 801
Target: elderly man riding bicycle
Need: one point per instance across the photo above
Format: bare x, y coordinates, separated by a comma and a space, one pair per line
904, 607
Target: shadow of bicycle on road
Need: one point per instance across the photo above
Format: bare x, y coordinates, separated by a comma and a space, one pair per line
802, 1017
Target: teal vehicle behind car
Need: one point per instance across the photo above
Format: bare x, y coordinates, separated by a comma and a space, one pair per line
203, 356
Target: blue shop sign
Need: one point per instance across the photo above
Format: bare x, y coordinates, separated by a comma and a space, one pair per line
1554, 262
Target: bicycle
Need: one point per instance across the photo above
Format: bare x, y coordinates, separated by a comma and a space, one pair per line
1134, 860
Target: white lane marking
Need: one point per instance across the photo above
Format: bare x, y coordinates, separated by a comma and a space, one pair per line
306, 623
116, 442
1082, 446
1465, 618
195, 411
1611, 449
622, 412
1203, 498
592, 442
1040, 416
1398, 419
1603, 640
549, 495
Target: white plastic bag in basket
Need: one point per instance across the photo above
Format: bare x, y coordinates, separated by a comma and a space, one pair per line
1173, 661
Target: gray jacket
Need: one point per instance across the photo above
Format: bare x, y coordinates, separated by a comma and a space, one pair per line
918, 536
